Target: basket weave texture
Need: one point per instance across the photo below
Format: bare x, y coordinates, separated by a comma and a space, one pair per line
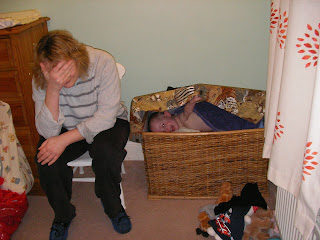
193, 165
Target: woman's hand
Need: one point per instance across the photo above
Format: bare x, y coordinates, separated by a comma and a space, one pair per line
51, 149
57, 76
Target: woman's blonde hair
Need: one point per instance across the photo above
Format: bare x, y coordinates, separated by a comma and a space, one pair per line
55, 46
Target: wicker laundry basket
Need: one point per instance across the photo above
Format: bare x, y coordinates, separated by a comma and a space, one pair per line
193, 165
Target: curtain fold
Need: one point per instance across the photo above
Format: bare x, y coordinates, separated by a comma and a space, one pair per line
292, 121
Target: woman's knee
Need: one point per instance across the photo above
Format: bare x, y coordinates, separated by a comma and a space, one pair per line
107, 151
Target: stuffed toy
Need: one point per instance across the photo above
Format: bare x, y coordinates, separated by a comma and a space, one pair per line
230, 220
204, 225
225, 193
250, 195
258, 225
207, 213
229, 225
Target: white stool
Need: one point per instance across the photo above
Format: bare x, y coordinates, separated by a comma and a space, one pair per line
86, 161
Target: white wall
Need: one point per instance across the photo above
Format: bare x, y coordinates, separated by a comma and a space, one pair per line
169, 42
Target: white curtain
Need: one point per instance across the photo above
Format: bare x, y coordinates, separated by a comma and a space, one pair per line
292, 131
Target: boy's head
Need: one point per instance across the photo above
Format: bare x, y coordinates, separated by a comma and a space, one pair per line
162, 122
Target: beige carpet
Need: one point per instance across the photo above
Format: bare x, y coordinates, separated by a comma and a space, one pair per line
151, 219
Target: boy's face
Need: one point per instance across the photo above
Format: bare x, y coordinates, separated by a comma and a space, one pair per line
164, 123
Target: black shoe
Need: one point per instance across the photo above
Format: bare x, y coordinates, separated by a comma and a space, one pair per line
59, 231
121, 223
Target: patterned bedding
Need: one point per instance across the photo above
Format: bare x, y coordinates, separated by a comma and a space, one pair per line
245, 103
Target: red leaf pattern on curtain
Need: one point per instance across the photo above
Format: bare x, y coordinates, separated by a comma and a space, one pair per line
282, 29
309, 165
310, 48
278, 129
273, 18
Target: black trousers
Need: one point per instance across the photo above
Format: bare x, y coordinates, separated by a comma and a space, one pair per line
107, 153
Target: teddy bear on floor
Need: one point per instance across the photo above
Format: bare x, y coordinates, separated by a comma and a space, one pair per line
203, 218
225, 193
230, 220
207, 213
258, 224
230, 225
250, 195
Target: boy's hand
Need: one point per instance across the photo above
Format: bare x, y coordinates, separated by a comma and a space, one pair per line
196, 99
188, 108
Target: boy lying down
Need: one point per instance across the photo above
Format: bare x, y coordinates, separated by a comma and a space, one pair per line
198, 116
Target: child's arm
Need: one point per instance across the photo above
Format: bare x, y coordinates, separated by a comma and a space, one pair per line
188, 108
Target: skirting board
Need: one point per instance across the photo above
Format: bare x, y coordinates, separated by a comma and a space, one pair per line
134, 151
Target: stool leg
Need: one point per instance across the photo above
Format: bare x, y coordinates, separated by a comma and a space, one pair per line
74, 169
122, 197
123, 170
81, 171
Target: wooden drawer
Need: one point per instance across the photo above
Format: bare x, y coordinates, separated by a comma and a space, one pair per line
9, 85
19, 113
6, 57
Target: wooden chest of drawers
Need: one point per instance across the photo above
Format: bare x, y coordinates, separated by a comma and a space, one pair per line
16, 59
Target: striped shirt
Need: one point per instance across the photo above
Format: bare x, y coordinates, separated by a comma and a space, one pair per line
91, 105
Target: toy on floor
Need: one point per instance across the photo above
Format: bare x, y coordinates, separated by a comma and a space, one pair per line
258, 225
204, 225
274, 231
250, 195
207, 213
225, 192
230, 225
230, 220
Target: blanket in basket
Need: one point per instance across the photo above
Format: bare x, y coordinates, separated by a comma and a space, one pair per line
220, 120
